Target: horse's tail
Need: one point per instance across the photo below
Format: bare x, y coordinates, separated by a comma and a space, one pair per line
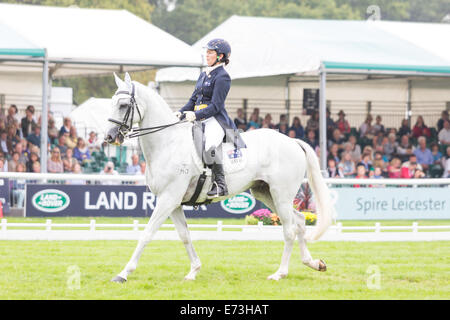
324, 205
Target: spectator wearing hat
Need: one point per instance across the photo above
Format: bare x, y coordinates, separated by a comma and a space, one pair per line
28, 124
342, 124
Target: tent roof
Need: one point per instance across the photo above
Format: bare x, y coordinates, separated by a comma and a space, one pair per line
92, 41
13, 44
274, 46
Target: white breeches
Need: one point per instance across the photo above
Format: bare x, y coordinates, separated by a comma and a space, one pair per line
213, 133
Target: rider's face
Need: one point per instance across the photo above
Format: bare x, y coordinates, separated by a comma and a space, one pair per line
211, 57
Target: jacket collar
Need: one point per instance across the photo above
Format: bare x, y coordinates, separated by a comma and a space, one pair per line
208, 70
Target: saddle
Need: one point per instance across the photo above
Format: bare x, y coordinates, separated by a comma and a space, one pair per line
233, 160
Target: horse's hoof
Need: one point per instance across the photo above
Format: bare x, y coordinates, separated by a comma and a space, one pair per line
118, 279
322, 266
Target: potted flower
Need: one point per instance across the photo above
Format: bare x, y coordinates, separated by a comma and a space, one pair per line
265, 216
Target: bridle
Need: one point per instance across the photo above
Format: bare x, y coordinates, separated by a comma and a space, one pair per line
126, 125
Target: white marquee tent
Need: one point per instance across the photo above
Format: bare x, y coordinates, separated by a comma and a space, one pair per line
290, 50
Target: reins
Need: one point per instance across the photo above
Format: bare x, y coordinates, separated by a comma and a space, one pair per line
131, 132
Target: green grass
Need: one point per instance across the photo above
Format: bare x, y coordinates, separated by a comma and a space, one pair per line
231, 270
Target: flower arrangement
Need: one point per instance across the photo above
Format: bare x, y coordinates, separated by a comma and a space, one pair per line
264, 215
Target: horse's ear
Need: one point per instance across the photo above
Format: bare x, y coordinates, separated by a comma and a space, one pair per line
119, 81
128, 80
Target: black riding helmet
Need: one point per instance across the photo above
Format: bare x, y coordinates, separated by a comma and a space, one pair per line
221, 47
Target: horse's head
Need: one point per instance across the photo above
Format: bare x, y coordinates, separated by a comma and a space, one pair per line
125, 111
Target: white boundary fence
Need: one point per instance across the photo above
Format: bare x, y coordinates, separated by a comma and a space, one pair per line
94, 231
219, 231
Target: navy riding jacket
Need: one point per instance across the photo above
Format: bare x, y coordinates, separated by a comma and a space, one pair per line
212, 90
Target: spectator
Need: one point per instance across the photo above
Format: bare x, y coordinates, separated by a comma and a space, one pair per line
4, 142
420, 129
446, 164
12, 164
283, 128
378, 126
81, 151
366, 162
12, 138
28, 122
62, 144
35, 137
391, 146
12, 116
311, 139
36, 167
331, 125
93, 143
23, 155
379, 161
377, 173
134, 167
332, 170
444, 133
65, 128
258, 118
298, 128
52, 131
240, 121
69, 160
405, 148
142, 166
54, 163
437, 158
347, 166
18, 187
3, 168
423, 154
366, 128
404, 129
337, 138
72, 139
411, 169
76, 169
283, 120
267, 123
360, 174
394, 168
253, 123
109, 170
342, 124
313, 123
440, 123
356, 149
34, 157
291, 133
334, 153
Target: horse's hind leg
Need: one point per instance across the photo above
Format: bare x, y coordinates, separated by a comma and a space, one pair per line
307, 260
281, 203
179, 221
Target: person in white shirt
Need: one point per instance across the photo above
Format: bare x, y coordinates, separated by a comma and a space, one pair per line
444, 134
109, 170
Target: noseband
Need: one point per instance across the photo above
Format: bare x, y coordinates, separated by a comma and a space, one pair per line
127, 130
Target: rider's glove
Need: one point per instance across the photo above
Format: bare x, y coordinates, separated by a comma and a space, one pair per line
190, 116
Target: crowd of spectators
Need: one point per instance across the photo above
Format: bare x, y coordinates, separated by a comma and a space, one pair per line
372, 150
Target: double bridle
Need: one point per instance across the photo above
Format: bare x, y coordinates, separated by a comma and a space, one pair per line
127, 130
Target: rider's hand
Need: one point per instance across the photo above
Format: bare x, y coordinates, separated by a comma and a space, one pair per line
177, 114
190, 116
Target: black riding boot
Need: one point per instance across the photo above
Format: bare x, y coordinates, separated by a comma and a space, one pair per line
219, 187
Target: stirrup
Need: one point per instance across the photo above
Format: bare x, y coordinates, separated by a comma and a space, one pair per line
217, 194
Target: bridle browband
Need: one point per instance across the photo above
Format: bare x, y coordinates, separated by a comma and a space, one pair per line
127, 130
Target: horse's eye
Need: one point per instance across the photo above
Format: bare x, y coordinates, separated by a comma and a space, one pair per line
123, 105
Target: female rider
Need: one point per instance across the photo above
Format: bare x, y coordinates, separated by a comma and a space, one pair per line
207, 104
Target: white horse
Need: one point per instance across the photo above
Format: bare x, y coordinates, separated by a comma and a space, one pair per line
274, 171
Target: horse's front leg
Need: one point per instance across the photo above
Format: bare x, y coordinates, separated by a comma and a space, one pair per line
179, 221
166, 204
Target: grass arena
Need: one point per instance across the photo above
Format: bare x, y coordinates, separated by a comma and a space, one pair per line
230, 269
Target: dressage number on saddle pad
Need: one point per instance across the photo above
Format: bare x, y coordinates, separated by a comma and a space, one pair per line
50, 200
241, 203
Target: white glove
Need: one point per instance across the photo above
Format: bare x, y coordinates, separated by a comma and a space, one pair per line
177, 114
190, 116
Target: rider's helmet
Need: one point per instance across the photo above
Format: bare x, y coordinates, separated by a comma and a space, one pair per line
221, 47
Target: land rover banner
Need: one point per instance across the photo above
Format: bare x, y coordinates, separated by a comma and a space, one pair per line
119, 201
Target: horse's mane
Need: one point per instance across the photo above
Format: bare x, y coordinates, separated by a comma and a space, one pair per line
153, 95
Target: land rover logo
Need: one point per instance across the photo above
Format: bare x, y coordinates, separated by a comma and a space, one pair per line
241, 203
50, 200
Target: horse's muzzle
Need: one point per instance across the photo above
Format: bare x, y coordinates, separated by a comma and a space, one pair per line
114, 136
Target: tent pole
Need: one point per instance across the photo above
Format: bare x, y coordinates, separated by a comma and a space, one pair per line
287, 100
408, 103
322, 118
44, 114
